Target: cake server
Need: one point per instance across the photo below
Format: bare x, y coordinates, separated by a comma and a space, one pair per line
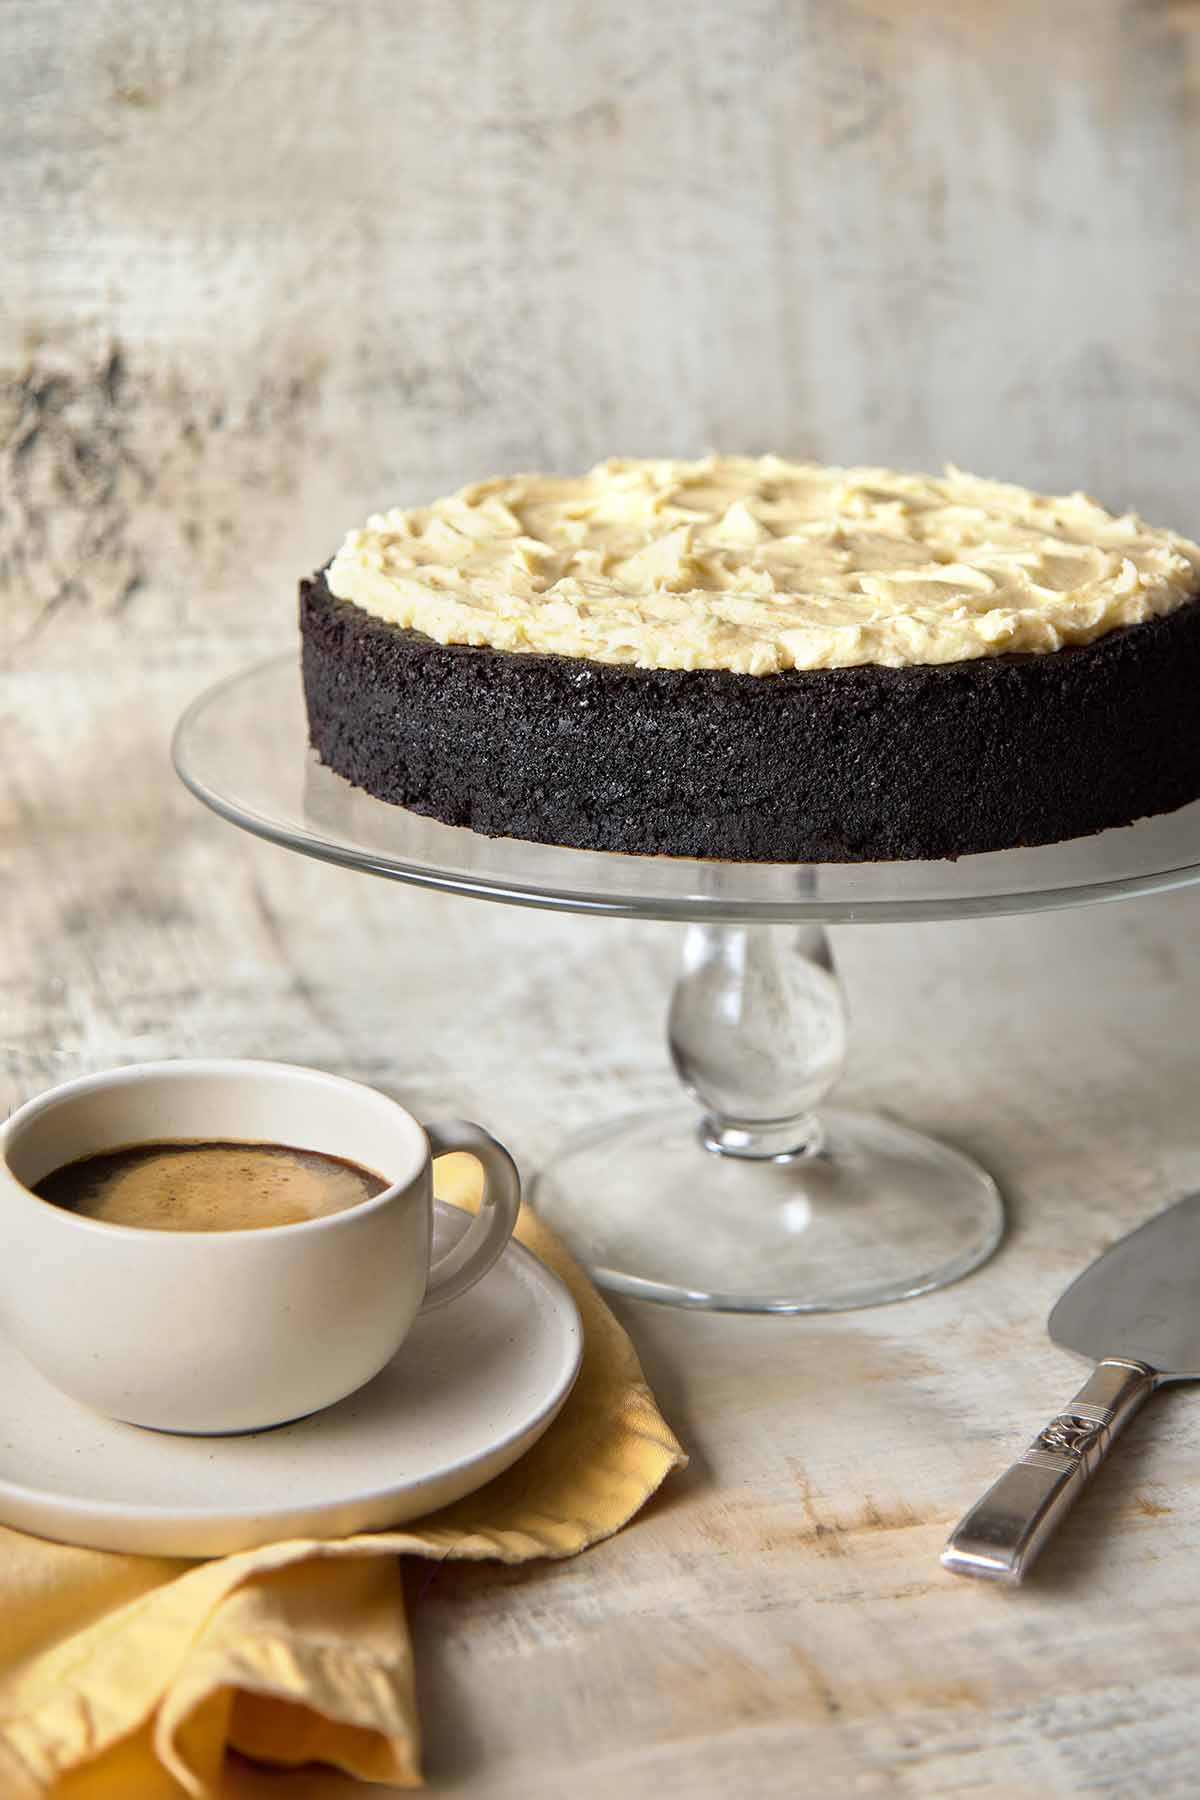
1136, 1313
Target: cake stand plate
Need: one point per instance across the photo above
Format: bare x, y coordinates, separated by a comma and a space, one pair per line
756, 1198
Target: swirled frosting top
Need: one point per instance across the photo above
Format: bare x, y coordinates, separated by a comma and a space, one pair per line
755, 564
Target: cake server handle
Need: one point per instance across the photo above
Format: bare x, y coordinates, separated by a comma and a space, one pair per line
1001, 1536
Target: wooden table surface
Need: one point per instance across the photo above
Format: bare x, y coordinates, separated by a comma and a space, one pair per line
777, 1621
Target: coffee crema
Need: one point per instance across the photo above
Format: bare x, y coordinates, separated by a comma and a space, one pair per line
201, 1186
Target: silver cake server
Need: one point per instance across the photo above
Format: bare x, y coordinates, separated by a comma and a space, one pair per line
1136, 1313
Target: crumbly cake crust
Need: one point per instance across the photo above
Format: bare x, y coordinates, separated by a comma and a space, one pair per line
833, 765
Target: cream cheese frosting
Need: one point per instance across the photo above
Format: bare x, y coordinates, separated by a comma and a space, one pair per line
756, 564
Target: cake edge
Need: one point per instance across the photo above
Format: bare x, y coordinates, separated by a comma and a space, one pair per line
866, 763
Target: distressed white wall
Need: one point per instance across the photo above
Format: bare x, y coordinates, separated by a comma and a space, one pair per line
265, 264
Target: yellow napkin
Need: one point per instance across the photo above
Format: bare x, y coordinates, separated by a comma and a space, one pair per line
126, 1676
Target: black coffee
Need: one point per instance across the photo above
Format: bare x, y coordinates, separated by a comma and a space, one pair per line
209, 1187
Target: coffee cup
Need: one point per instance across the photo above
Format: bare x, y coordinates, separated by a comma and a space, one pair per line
226, 1331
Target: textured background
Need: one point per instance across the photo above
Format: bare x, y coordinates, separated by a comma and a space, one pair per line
268, 263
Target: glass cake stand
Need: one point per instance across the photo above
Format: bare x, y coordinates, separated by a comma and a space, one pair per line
753, 1196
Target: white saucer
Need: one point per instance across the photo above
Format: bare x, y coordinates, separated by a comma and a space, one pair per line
475, 1385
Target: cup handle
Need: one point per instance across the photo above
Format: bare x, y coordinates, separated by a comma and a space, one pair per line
490, 1230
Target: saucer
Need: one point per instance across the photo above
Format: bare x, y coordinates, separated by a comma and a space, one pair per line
474, 1385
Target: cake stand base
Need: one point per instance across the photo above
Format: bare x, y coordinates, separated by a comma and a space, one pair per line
869, 1212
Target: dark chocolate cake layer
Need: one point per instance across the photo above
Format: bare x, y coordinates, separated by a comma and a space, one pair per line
831, 765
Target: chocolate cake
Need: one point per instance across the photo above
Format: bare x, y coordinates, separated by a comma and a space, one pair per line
926, 668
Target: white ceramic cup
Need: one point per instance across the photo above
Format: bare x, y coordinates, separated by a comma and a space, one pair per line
216, 1331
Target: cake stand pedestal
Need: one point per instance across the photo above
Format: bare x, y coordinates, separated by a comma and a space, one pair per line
755, 1197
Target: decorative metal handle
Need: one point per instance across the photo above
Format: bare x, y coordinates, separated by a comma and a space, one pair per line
1002, 1534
